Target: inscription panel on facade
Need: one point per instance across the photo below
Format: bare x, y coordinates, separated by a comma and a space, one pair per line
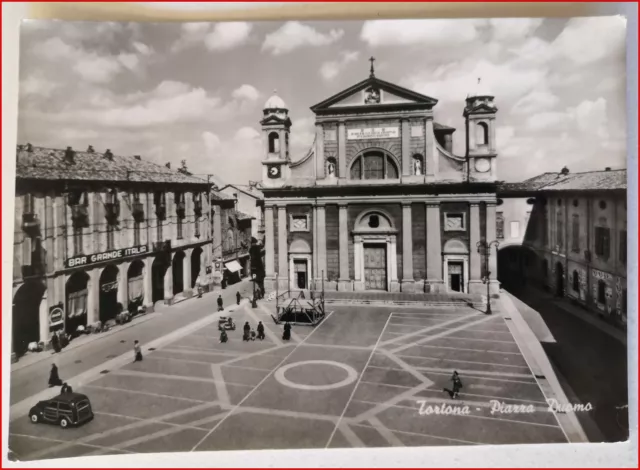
373, 133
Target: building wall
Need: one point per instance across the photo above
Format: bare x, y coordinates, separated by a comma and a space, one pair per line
419, 233
333, 242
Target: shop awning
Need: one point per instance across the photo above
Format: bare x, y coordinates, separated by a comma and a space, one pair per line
233, 266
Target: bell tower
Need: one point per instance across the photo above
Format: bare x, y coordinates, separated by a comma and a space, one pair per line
276, 126
480, 120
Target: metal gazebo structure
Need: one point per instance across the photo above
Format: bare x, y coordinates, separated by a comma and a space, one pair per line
296, 309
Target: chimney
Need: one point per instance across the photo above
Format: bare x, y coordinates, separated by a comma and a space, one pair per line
607, 168
137, 157
68, 155
564, 171
108, 155
90, 149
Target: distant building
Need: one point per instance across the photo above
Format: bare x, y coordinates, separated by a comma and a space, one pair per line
575, 243
249, 201
381, 201
97, 234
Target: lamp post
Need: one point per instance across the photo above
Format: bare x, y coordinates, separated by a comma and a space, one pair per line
484, 248
254, 303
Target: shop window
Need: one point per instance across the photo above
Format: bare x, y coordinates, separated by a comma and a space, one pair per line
602, 288
575, 281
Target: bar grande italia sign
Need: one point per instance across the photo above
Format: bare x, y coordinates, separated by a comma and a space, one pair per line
106, 256
373, 133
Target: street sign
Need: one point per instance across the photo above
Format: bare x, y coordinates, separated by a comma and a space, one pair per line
56, 315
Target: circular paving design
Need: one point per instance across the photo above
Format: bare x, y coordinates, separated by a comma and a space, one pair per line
352, 375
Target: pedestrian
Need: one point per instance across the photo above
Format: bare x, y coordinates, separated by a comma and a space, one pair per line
55, 342
246, 331
199, 286
457, 385
137, 352
238, 297
223, 336
260, 331
66, 388
54, 378
220, 307
253, 335
287, 332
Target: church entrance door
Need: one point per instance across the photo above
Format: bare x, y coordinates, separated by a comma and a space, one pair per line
456, 280
375, 267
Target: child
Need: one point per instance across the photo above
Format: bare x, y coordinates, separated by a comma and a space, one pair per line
253, 335
137, 351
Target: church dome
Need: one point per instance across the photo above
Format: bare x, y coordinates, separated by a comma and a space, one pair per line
275, 102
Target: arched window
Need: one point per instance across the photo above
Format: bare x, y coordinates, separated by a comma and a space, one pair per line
483, 133
374, 165
575, 281
274, 142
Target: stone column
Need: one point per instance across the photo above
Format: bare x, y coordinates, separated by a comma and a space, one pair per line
168, 281
43, 316
408, 283
322, 242
186, 273
283, 262
493, 255
342, 150
434, 248
344, 283
430, 157
314, 222
358, 283
269, 248
148, 283
475, 258
123, 285
319, 151
93, 296
406, 150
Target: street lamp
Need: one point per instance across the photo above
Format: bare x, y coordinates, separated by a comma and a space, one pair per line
484, 248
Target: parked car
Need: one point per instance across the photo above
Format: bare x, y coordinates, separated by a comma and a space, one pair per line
68, 409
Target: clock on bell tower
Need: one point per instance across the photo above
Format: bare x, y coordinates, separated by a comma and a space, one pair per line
275, 137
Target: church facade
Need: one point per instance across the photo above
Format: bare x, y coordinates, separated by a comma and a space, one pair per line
380, 202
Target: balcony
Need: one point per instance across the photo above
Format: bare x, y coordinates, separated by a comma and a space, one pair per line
79, 215
31, 224
112, 211
180, 210
161, 211
137, 211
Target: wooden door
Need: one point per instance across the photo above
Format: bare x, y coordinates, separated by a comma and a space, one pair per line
375, 267
456, 279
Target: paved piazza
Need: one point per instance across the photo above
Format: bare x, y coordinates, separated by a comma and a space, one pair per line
353, 381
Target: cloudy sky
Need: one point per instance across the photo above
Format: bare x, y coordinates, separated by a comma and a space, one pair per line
195, 91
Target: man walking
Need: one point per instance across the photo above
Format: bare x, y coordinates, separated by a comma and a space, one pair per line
457, 385
238, 297
220, 307
260, 331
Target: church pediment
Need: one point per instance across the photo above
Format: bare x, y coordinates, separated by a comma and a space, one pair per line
374, 92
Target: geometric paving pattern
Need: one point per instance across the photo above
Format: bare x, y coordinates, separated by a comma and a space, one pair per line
358, 379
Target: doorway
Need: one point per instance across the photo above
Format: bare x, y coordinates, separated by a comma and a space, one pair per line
26, 315
375, 267
456, 276
300, 273
109, 307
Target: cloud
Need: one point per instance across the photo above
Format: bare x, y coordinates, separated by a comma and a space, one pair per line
293, 35
420, 32
214, 36
37, 85
330, 70
246, 92
246, 134
510, 29
586, 40
536, 101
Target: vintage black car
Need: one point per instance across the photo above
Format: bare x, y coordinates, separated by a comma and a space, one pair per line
67, 409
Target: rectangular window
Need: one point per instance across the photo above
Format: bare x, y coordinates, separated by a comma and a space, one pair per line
136, 233
622, 252
499, 225
110, 237
77, 241
559, 231
197, 228
603, 242
575, 233
514, 229
179, 224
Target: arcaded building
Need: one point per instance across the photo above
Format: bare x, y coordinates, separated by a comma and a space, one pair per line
381, 201
97, 234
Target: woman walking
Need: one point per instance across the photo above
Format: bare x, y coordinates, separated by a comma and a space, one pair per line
287, 332
55, 342
54, 378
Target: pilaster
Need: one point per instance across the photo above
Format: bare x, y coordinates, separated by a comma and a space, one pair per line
186, 273
148, 283
342, 151
406, 143
344, 283
434, 279
319, 152
431, 159
408, 284
93, 293
322, 242
168, 280
269, 243
123, 285
475, 259
282, 245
